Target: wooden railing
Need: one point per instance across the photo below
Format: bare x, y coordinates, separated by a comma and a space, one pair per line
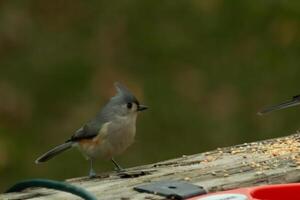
266, 162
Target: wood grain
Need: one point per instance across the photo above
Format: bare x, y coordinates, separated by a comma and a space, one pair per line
266, 162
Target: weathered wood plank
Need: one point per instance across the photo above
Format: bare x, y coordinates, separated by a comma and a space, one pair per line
266, 162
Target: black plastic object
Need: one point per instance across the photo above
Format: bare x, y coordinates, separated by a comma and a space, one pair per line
172, 189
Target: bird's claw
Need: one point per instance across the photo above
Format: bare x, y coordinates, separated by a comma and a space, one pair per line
119, 170
92, 174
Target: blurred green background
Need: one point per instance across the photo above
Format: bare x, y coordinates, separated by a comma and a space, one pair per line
204, 67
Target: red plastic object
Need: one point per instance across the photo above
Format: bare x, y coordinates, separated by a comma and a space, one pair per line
267, 192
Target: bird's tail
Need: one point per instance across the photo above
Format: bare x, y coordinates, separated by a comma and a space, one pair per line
293, 102
53, 152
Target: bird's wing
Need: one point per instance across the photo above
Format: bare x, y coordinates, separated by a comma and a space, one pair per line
85, 132
293, 102
94, 126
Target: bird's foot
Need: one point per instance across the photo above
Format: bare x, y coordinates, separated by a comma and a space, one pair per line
120, 169
92, 174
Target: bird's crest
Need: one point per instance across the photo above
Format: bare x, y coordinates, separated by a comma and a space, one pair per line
124, 93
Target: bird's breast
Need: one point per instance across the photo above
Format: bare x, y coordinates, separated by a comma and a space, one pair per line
121, 134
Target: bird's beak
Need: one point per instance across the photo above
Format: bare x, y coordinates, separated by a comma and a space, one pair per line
141, 107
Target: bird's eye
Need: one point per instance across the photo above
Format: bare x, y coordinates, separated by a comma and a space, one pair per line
129, 105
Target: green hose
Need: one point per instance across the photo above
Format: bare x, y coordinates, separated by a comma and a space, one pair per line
57, 185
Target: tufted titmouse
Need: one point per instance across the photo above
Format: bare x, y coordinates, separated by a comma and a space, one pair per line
110, 133
293, 102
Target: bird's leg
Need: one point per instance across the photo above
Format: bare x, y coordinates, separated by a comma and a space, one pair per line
118, 167
92, 173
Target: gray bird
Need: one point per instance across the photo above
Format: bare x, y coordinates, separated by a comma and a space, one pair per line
108, 134
293, 102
